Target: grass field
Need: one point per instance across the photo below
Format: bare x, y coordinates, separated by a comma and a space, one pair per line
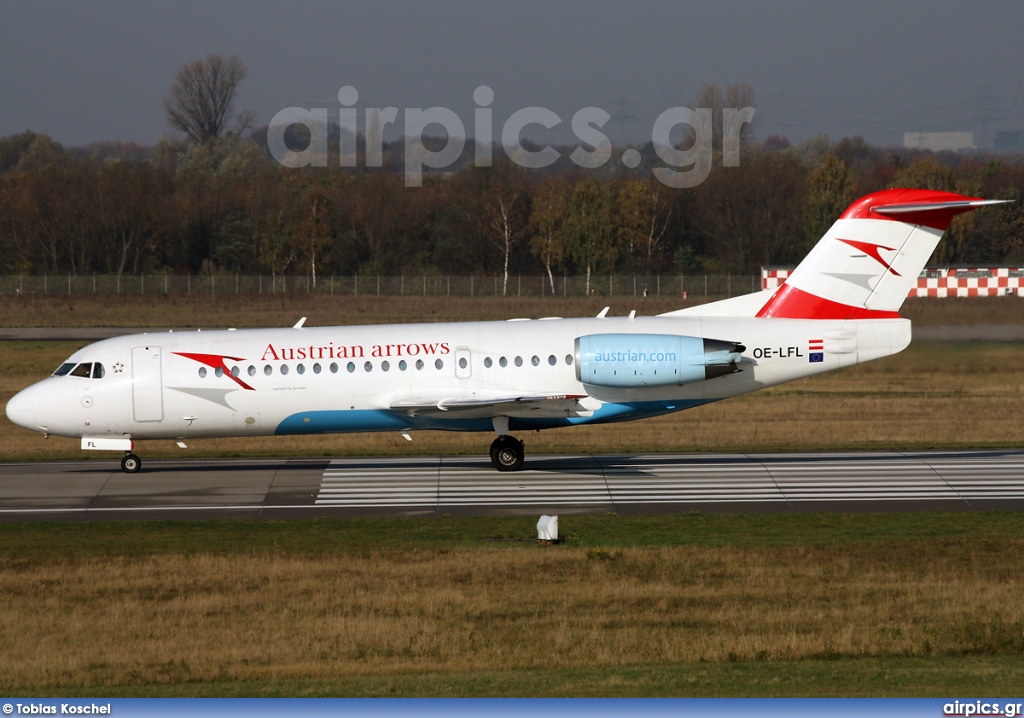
268, 310
896, 604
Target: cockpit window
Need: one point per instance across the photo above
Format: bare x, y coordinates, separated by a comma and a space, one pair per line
89, 370
64, 368
84, 370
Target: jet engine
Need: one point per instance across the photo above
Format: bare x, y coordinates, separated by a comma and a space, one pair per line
639, 360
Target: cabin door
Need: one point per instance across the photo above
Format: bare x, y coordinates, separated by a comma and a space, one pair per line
147, 384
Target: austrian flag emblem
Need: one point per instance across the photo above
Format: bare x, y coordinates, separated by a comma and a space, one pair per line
815, 351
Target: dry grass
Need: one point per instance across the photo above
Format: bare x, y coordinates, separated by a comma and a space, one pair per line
266, 310
171, 619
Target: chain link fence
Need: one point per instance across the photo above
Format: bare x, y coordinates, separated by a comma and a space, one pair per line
431, 285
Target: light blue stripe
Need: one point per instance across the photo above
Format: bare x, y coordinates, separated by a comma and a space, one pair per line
357, 420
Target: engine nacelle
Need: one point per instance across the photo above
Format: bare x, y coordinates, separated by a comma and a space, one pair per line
638, 360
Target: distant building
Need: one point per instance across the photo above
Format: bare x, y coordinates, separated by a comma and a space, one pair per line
1009, 140
936, 141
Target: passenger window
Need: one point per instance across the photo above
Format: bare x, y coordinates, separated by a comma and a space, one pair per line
419, 363
301, 368
98, 371
402, 365
351, 367
519, 361
487, 362
439, 364
252, 370
64, 368
551, 360
535, 360
385, 365
219, 371
235, 371
284, 369
268, 370
462, 363
503, 362
568, 359
334, 368
202, 372
83, 370
368, 367
316, 368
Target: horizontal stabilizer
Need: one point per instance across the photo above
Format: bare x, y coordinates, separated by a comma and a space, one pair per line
931, 214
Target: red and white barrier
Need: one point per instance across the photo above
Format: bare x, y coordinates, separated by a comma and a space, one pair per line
940, 281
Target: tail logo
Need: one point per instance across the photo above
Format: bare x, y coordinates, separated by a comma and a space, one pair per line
872, 250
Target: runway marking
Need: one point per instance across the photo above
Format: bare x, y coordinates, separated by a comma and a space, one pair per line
592, 481
383, 486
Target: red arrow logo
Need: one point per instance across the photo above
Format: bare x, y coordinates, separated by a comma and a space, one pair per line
217, 362
872, 251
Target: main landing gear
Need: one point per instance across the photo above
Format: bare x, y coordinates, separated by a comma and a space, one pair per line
130, 463
507, 453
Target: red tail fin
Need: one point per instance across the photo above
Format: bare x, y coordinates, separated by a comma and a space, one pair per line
866, 264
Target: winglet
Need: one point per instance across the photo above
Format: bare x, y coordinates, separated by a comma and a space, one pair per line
603, 313
298, 324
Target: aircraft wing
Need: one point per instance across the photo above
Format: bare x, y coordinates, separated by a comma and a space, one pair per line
530, 405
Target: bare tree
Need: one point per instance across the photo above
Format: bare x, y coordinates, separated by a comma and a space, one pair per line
202, 96
504, 212
735, 96
314, 234
547, 219
643, 221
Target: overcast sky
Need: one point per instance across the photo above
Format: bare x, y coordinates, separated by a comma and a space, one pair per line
100, 70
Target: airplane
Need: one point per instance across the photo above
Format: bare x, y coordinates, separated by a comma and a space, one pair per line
838, 308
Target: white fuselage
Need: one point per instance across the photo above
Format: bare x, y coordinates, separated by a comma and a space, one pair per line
409, 376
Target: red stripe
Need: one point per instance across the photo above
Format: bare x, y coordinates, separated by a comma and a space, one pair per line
792, 303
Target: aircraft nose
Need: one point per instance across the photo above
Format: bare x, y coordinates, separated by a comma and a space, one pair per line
21, 410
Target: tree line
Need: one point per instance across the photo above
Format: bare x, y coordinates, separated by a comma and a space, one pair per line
224, 206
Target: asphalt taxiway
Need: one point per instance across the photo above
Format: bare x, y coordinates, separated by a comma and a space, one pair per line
457, 485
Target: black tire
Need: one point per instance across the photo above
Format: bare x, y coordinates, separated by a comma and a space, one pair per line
130, 464
507, 453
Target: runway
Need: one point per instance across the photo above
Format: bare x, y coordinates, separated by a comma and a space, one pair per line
433, 486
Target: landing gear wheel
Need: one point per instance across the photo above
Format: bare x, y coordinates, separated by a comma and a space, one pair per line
507, 453
131, 464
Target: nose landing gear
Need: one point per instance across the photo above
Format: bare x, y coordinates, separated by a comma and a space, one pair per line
507, 453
